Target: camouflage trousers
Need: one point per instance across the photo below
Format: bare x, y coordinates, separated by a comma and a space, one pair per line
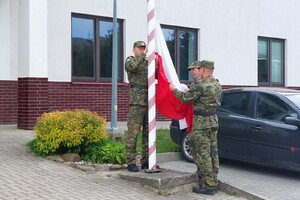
137, 119
204, 149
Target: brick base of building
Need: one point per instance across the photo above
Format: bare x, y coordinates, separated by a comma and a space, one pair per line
33, 101
25, 100
8, 102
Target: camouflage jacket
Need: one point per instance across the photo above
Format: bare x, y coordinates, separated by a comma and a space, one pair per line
137, 71
205, 95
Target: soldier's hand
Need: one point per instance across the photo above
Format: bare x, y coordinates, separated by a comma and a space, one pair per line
146, 50
156, 62
172, 87
187, 89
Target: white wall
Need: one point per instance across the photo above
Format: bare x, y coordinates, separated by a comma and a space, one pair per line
4, 42
14, 41
33, 38
226, 36
59, 29
8, 39
38, 38
228, 31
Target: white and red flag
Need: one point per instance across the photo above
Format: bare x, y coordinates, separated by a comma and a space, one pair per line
166, 103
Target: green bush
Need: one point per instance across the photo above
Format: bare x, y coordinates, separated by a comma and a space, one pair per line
68, 131
32, 145
106, 151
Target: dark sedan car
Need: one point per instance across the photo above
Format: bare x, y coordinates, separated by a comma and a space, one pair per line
258, 125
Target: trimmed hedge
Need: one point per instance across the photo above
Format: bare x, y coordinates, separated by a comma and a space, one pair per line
69, 131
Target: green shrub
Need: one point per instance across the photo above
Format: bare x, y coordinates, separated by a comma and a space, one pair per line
68, 131
106, 151
32, 145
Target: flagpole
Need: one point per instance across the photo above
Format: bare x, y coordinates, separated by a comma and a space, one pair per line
114, 131
151, 85
114, 102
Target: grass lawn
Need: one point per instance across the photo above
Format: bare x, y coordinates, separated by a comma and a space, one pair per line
164, 142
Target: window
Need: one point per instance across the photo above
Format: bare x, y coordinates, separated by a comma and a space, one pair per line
182, 45
235, 103
295, 99
272, 108
92, 48
270, 62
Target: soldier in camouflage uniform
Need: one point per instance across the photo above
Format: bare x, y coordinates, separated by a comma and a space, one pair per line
205, 93
137, 71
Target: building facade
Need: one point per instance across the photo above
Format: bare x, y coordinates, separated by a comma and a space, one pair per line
56, 54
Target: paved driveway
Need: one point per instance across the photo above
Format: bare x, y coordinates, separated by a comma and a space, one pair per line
262, 182
26, 176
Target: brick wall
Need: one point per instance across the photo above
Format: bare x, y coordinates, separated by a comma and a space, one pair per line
234, 86
37, 95
24, 100
8, 102
32, 101
94, 97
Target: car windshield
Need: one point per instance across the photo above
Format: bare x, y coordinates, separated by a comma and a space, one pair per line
295, 98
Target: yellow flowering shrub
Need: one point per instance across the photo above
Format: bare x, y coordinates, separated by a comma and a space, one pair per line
69, 130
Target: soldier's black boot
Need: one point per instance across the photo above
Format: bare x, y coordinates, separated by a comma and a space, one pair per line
201, 190
145, 165
198, 172
199, 175
132, 168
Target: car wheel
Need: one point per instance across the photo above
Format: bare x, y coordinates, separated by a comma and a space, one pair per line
184, 147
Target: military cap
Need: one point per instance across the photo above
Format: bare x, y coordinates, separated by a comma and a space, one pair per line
207, 64
139, 44
194, 64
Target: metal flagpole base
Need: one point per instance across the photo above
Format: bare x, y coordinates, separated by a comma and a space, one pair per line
152, 170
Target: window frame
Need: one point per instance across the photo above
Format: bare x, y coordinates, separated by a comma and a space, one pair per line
269, 41
97, 78
177, 30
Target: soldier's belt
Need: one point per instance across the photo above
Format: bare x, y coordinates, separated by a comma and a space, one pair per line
139, 86
204, 114
137, 105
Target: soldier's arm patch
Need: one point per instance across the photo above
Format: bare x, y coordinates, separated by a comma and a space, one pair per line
129, 58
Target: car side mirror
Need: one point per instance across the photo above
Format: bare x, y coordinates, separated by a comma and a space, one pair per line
292, 121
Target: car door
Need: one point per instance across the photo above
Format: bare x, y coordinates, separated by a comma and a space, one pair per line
233, 124
271, 140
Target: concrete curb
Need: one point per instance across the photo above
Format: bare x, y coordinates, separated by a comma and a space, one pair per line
223, 186
166, 179
172, 182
